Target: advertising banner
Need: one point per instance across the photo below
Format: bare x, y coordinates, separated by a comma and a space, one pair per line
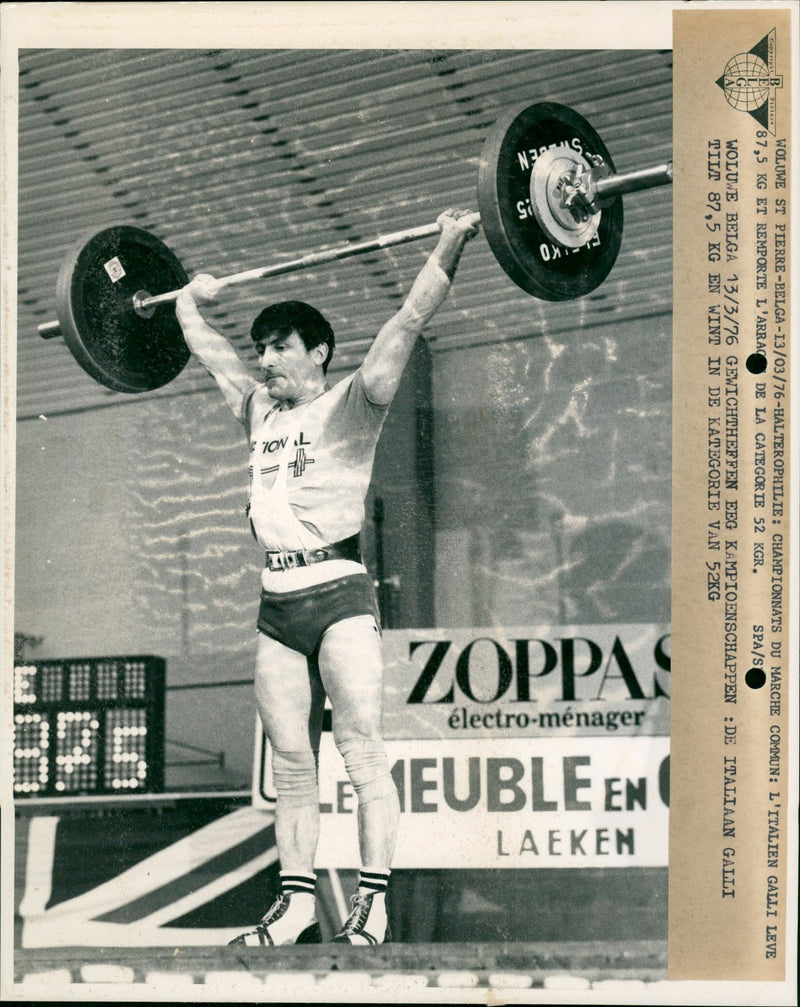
512, 802
497, 682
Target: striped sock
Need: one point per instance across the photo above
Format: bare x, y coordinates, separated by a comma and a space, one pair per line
297, 881
373, 881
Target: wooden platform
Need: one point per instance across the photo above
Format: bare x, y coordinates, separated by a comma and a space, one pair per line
522, 964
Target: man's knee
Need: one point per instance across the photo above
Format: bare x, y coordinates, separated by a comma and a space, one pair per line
295, 777
368, 768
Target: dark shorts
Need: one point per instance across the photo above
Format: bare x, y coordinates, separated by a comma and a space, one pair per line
299, 619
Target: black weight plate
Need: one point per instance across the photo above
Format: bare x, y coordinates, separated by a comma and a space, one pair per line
527, 255
94, 304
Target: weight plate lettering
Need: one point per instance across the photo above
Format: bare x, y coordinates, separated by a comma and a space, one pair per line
529, 256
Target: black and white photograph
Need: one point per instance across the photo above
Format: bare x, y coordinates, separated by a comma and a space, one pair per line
340, 400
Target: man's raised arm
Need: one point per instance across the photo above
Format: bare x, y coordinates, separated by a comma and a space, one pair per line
385, 362
210, 347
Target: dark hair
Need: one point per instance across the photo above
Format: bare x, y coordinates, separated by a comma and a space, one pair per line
295, 316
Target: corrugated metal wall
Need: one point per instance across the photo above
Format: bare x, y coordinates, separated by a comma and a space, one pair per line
244, 158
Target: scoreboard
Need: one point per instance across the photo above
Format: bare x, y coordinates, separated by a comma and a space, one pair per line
92, 725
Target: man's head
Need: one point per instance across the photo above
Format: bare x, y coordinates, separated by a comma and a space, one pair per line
295, 316
294, 344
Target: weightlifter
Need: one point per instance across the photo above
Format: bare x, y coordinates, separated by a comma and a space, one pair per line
312, 449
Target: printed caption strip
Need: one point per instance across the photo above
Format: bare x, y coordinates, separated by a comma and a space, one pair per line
729, 808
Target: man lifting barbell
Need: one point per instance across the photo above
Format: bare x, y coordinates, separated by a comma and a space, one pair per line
312, 448
550, 206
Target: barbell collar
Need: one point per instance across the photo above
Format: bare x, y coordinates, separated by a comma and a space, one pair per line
49, 330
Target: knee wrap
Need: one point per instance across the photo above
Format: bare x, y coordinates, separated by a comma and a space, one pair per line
368, 768
295, 777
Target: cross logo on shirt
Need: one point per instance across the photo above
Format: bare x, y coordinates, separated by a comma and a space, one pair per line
300, 462
301, 459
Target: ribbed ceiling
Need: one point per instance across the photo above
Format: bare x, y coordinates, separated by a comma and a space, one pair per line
239, 159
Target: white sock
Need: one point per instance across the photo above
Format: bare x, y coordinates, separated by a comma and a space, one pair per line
372, 880
297, 881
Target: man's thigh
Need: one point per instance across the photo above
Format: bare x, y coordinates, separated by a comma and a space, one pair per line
289, 695
351, 668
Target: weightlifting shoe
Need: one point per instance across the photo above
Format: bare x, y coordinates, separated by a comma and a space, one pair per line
282, 924
367, 923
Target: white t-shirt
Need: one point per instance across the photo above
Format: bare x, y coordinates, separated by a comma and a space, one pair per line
310, 466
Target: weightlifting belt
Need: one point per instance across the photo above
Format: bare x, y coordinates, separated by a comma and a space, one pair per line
348, 548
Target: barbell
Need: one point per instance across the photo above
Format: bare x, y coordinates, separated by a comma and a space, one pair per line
548, 196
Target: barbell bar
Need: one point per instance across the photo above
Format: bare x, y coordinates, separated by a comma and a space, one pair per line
606, 188
634, 181
548, 198
308, 261
141, 302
